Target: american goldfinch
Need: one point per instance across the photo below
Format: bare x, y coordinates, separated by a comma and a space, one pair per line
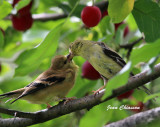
51, 85
106, 61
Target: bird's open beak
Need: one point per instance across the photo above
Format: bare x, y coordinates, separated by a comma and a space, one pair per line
69, 57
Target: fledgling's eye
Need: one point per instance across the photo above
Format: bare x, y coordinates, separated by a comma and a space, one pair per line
65, 61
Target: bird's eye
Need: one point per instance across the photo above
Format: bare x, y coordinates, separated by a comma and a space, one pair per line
65, 61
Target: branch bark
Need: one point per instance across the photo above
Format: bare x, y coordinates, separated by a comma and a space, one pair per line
130, 45
139, 119
77, 104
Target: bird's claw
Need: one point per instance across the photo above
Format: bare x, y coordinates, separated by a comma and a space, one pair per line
97, 91
49, 106
68, 99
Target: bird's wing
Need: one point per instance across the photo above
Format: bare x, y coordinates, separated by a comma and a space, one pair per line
41, 84
112, 54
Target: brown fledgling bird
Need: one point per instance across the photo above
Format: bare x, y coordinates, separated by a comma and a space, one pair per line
51, 85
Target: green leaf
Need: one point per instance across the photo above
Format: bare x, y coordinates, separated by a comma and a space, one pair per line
145, 53
98, 116
72, 2
106, 27
139, 95
152, 96
14, 83
1, 40
65, 7
1, 2
78, 10
119, 34
22, 4
147, 16
5, 9
120, 79
30, 60
119, 9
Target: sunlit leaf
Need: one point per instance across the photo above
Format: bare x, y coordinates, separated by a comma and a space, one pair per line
119, 9
5, 9
22, 3
145, 53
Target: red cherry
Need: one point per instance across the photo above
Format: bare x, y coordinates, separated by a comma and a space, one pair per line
125, 95
22, 22
24, 10
126, 30
89, 72
104, 13
91, 15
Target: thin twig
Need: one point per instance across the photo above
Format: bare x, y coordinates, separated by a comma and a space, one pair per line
130, 46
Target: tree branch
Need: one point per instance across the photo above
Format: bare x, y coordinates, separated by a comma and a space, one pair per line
130, 46
103, 5
46, 17
78, 104
142, 118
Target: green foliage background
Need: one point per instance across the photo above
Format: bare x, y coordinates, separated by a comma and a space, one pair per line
24, 55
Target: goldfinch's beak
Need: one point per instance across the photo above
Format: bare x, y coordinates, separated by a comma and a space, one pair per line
69, 57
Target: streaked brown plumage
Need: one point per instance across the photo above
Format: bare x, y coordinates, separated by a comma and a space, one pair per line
51, 85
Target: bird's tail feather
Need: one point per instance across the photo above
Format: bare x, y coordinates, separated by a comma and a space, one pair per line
12, 94
17, 99
7, 95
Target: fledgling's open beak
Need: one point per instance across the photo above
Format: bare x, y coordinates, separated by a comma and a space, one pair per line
69, 57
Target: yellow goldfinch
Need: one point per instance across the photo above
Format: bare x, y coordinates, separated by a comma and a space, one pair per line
51, 85
106, 61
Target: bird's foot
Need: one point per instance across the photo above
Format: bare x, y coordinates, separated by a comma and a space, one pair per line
49, 106
97, 91
68, 99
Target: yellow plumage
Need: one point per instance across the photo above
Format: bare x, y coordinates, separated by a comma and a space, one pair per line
106, 61
94, 52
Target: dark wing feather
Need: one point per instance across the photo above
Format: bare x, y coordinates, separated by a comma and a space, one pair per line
53, 79
113, 55
119, 60
34, 86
